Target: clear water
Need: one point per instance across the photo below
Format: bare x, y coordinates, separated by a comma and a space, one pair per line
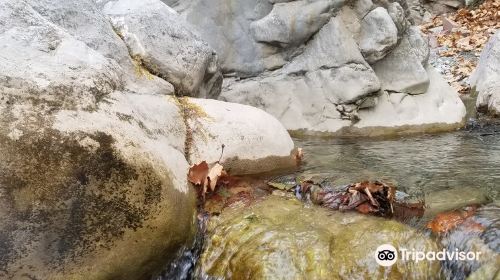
440, 168
460, 162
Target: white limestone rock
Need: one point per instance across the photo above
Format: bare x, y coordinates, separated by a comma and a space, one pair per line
486, 78
94, 151
379, 35
160, 40
439, 107
292, 23
402, 70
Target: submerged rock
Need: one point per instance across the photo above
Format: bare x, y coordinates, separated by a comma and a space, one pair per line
478, 233
281, 238
452, 199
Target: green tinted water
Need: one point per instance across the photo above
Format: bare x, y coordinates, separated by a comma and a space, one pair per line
463, 164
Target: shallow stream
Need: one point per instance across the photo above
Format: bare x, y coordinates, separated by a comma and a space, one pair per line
463, 164
281, 238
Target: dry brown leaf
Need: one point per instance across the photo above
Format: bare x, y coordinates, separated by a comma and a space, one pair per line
213, 175
444, 222
198, 173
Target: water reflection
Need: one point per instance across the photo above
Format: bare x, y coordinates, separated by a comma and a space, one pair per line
421, 166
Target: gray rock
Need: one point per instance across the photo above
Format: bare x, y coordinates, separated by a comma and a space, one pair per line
362, 7
313, 76
379, 35
45, 60
305, 93
84, 21
225, 25
438, 109
351, 22
397, 14
402, 70
332, 47
158, 39
486, 78
95, 156
419, 44
306, 101
292, 23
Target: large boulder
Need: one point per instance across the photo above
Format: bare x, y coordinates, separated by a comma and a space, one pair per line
281, 238
379, 35
486, 78
315, 65
159, 41
438, 109
95, 149
225, 25
403, 69
293, 23
305, 93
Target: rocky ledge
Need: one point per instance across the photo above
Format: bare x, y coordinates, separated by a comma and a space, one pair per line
331, 66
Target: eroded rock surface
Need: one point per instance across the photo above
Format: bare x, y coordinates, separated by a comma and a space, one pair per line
479, 233
157, 38
316, 65
379, 34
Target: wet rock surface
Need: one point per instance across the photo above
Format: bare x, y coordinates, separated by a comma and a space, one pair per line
281, 237
478, 233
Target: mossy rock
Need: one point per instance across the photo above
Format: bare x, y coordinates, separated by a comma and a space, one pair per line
71, 211
282, 238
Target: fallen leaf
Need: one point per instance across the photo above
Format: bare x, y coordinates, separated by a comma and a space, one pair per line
366, 208
198, 173
213, 176
444, 222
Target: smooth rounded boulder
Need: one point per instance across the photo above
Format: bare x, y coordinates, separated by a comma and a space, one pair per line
283, 238
95, 148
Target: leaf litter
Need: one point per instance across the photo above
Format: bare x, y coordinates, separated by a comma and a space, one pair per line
458, 39
375, 198
367, 197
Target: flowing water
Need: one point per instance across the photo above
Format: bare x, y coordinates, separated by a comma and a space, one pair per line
447, 171
460, 163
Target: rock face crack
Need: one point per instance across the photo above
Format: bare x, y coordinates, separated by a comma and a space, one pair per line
191, 115
141, 68
182, 103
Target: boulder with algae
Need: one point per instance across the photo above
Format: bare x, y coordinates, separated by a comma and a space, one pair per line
94, 149
280, 238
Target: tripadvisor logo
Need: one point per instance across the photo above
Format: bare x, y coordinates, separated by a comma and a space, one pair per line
387, 255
